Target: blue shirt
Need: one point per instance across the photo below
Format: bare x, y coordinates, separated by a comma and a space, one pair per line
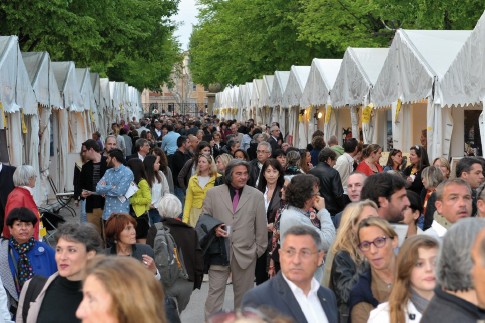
117, 183
169, 142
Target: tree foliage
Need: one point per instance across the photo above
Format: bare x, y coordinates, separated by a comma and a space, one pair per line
238, 40
126, 40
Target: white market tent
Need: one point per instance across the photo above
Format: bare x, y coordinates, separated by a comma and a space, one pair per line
292, 98
279, 86
247, 101
316, 93
96, 84
416, 63
64, 125
465, 79
265, 103
357, 75
18, 110
241, 109
217, 105
257, 88
47, 94
106, 106
90, 119
234, 101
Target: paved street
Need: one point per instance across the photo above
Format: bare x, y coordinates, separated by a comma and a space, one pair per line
194, 313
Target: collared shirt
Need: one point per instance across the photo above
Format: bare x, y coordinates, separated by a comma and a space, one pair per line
169, 142
117, 183
345, 167
310, 304
141, 157
30, 189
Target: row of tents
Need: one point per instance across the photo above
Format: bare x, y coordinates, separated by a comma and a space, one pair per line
426, 79
47, 109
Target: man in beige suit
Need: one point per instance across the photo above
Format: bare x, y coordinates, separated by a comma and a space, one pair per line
241, 208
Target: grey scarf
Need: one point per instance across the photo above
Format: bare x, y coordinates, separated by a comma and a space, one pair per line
420, 302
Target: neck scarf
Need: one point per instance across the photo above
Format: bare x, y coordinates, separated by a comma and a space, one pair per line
418, 301
24, 268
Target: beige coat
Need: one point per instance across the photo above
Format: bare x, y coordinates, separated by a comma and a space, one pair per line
249, 236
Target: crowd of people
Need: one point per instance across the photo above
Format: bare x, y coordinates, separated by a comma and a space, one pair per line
326, 233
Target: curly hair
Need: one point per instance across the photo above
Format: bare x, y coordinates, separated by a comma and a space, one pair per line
300, 190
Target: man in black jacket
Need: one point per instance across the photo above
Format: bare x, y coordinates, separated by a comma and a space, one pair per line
177, 161
91, 173
6, 184
331, 188
263, 153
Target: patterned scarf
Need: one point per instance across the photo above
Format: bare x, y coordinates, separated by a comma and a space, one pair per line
24, 268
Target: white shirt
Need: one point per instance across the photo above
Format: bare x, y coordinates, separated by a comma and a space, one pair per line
345, 167
141, 157
309, 304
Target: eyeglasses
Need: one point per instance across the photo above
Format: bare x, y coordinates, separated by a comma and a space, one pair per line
379, 242
303, 253
262, 151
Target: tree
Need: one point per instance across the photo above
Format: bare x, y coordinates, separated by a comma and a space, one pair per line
126, 40
238, 40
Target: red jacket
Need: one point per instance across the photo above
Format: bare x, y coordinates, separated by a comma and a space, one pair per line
21, 197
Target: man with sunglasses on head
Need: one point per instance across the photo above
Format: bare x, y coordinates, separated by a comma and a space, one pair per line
294, 291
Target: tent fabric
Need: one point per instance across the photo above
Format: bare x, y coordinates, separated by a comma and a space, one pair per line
417, 60
464, 81
323, 73
257, 88
15, 88
359, 71
279, 87
42, 78
297, 81
291, 98
266, 91
65, 74
83, 76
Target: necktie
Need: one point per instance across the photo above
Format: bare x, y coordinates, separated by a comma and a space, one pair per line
235, 201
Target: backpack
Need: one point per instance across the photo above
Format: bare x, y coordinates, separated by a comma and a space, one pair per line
35, 287
168, 258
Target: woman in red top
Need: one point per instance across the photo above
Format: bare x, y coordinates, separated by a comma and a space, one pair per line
370, 165
22, 196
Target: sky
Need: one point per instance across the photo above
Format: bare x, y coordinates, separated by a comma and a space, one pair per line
186, 17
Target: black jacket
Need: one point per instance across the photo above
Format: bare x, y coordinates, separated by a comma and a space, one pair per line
253, 172
6, 184
93, 201
330, 187
176, 162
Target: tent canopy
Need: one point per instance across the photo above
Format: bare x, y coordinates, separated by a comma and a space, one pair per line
416, 58
247, 97
65, 73
15, 87
279, 87
323, 73
296, 85
257, 88
42, 78
465, 79
266, 91
358, 73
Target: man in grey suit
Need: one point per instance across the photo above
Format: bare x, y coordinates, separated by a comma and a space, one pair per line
241, 209
294, 291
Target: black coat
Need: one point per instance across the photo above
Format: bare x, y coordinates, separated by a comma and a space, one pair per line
86, 183
330, 187
6, 184
186, 239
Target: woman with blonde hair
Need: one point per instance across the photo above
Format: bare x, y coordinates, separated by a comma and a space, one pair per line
377, 241
199, 184
414, 283
370, 163
444, 165
109, 296
344, 259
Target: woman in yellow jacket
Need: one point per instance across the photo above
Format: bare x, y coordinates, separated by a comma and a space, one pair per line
141, 200
199, 184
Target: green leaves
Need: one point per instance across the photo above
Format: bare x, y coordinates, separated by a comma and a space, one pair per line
239, 40
113, 37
